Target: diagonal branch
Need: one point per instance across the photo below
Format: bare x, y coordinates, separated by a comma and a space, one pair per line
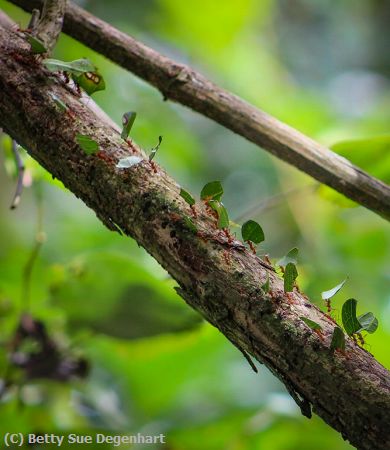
181, 84
221, 280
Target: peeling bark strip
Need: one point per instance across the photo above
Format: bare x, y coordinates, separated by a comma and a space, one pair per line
352, 394
181, 84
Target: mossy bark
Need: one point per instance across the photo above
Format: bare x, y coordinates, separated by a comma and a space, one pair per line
218, 278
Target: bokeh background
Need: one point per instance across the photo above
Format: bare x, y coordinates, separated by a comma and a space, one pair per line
154, 365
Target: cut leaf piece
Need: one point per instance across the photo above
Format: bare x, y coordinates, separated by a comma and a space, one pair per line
37, 46
290, 275
338, 340
76, 67
187, 197
368, 322
129, 161
87, 144
252, 231
348, 315
61, 105
90, 81
154, 149
265, 287
223, 218
311, 324
212, 191
326, 295
291, 257
128, 119
190, 224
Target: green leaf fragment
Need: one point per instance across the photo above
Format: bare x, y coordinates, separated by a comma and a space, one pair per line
311, 324
187, 197
252, 231
290, 275
87, 144
61, 105
348, 314
219, 208
129, 161
75, 67
368, 322
190, 225
128, 119
326, 295
266, 286
154, 149
90, 81
338, 340
291, 257
37, 46
212, 191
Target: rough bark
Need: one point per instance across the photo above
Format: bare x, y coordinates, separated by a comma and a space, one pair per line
181, 84
220, 280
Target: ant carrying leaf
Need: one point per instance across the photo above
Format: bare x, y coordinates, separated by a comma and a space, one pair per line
154, 149
252, 233
128, 119
327, 295
82, 71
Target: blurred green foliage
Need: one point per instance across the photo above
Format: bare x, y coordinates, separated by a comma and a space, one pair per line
155, 366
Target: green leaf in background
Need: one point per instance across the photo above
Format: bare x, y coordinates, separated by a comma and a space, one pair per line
37, 46
290, 275
291, 257
348, 315
252, 231
75, 67
129, 161
133, 304
265, 287
368, 322
90, 81
128, 119
311, 324
219, 208
326, 295
338, 340
371, 155
87, 144
154, 149
212, 191
187, 197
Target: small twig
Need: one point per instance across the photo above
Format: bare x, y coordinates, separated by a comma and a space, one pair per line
40, 238
245, 354
50, 24
299, 399
35, 14
20, 173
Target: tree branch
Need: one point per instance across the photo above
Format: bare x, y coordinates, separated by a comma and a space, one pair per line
219, 279
181, 84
